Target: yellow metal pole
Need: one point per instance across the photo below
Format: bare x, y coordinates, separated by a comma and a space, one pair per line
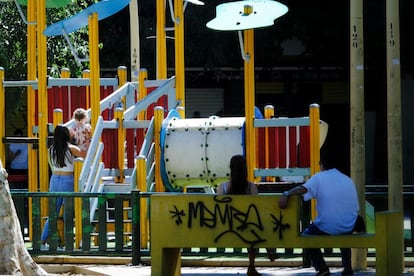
78, 203
159, 117
57, 117
314, 146
86, 75
42, 103
31, 104
394, 132
65, 73
142, 186
269, 112
122, 79
119, 116
181, 111
2, 110
142, 90
94, 67
359, 256
179, 51
249, 103
161, 41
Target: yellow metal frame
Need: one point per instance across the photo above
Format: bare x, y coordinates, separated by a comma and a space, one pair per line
249, 103
179, 51
94, 68
159, 117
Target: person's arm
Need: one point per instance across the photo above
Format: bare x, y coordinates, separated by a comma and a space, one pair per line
76, 151
220, 190
283, 200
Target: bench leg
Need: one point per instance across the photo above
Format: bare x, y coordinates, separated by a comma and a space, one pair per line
389, 254
166, 262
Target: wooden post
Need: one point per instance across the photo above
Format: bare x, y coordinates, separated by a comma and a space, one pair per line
359, 256
394, 133
134, 39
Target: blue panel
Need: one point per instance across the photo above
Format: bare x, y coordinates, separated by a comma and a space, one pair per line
104, 9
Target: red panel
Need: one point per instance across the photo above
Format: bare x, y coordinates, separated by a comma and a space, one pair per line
304, 147
273, 147
261, 147
292, 148
150, 108
282, 146
130, 148
110, 140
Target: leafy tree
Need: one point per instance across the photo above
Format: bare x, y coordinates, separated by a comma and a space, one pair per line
13, 51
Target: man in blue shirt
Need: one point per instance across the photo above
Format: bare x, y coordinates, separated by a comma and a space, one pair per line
18, 157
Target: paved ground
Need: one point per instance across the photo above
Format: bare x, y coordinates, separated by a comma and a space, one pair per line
193, 267
141, 270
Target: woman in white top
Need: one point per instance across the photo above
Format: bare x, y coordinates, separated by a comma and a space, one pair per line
61, 156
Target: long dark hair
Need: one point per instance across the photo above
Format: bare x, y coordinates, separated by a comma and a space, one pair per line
238, 175
60, 149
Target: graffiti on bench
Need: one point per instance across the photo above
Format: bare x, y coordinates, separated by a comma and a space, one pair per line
246, 223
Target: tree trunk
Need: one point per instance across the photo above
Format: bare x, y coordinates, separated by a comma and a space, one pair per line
14, 257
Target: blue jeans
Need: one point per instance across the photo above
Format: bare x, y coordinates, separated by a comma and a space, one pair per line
58, 183
316, 253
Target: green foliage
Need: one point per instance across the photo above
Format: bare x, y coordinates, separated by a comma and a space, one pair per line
58, 50
13, 51
13, 42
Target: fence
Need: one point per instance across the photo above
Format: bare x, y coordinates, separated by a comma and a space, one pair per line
95, 238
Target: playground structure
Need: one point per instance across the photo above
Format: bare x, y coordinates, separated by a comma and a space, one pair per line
118, 129
122, 112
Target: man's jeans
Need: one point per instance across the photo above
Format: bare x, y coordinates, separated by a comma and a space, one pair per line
316, 253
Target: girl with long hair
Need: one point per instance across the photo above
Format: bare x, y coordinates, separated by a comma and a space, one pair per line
239, 185
61, 158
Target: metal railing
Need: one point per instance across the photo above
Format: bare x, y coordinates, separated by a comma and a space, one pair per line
95, 238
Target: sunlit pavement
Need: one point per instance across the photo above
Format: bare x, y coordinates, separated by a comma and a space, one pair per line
224, 271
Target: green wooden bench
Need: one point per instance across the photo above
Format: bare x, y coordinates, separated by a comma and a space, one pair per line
189, 220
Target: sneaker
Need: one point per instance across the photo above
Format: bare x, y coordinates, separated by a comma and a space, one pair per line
61, 248
347, 272
44, 247
324, 272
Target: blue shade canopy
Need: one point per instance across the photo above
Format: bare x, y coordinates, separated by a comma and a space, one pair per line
49, 3
104, 9
248, 14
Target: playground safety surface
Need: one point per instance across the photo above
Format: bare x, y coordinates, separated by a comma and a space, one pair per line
210, 267
142, 270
